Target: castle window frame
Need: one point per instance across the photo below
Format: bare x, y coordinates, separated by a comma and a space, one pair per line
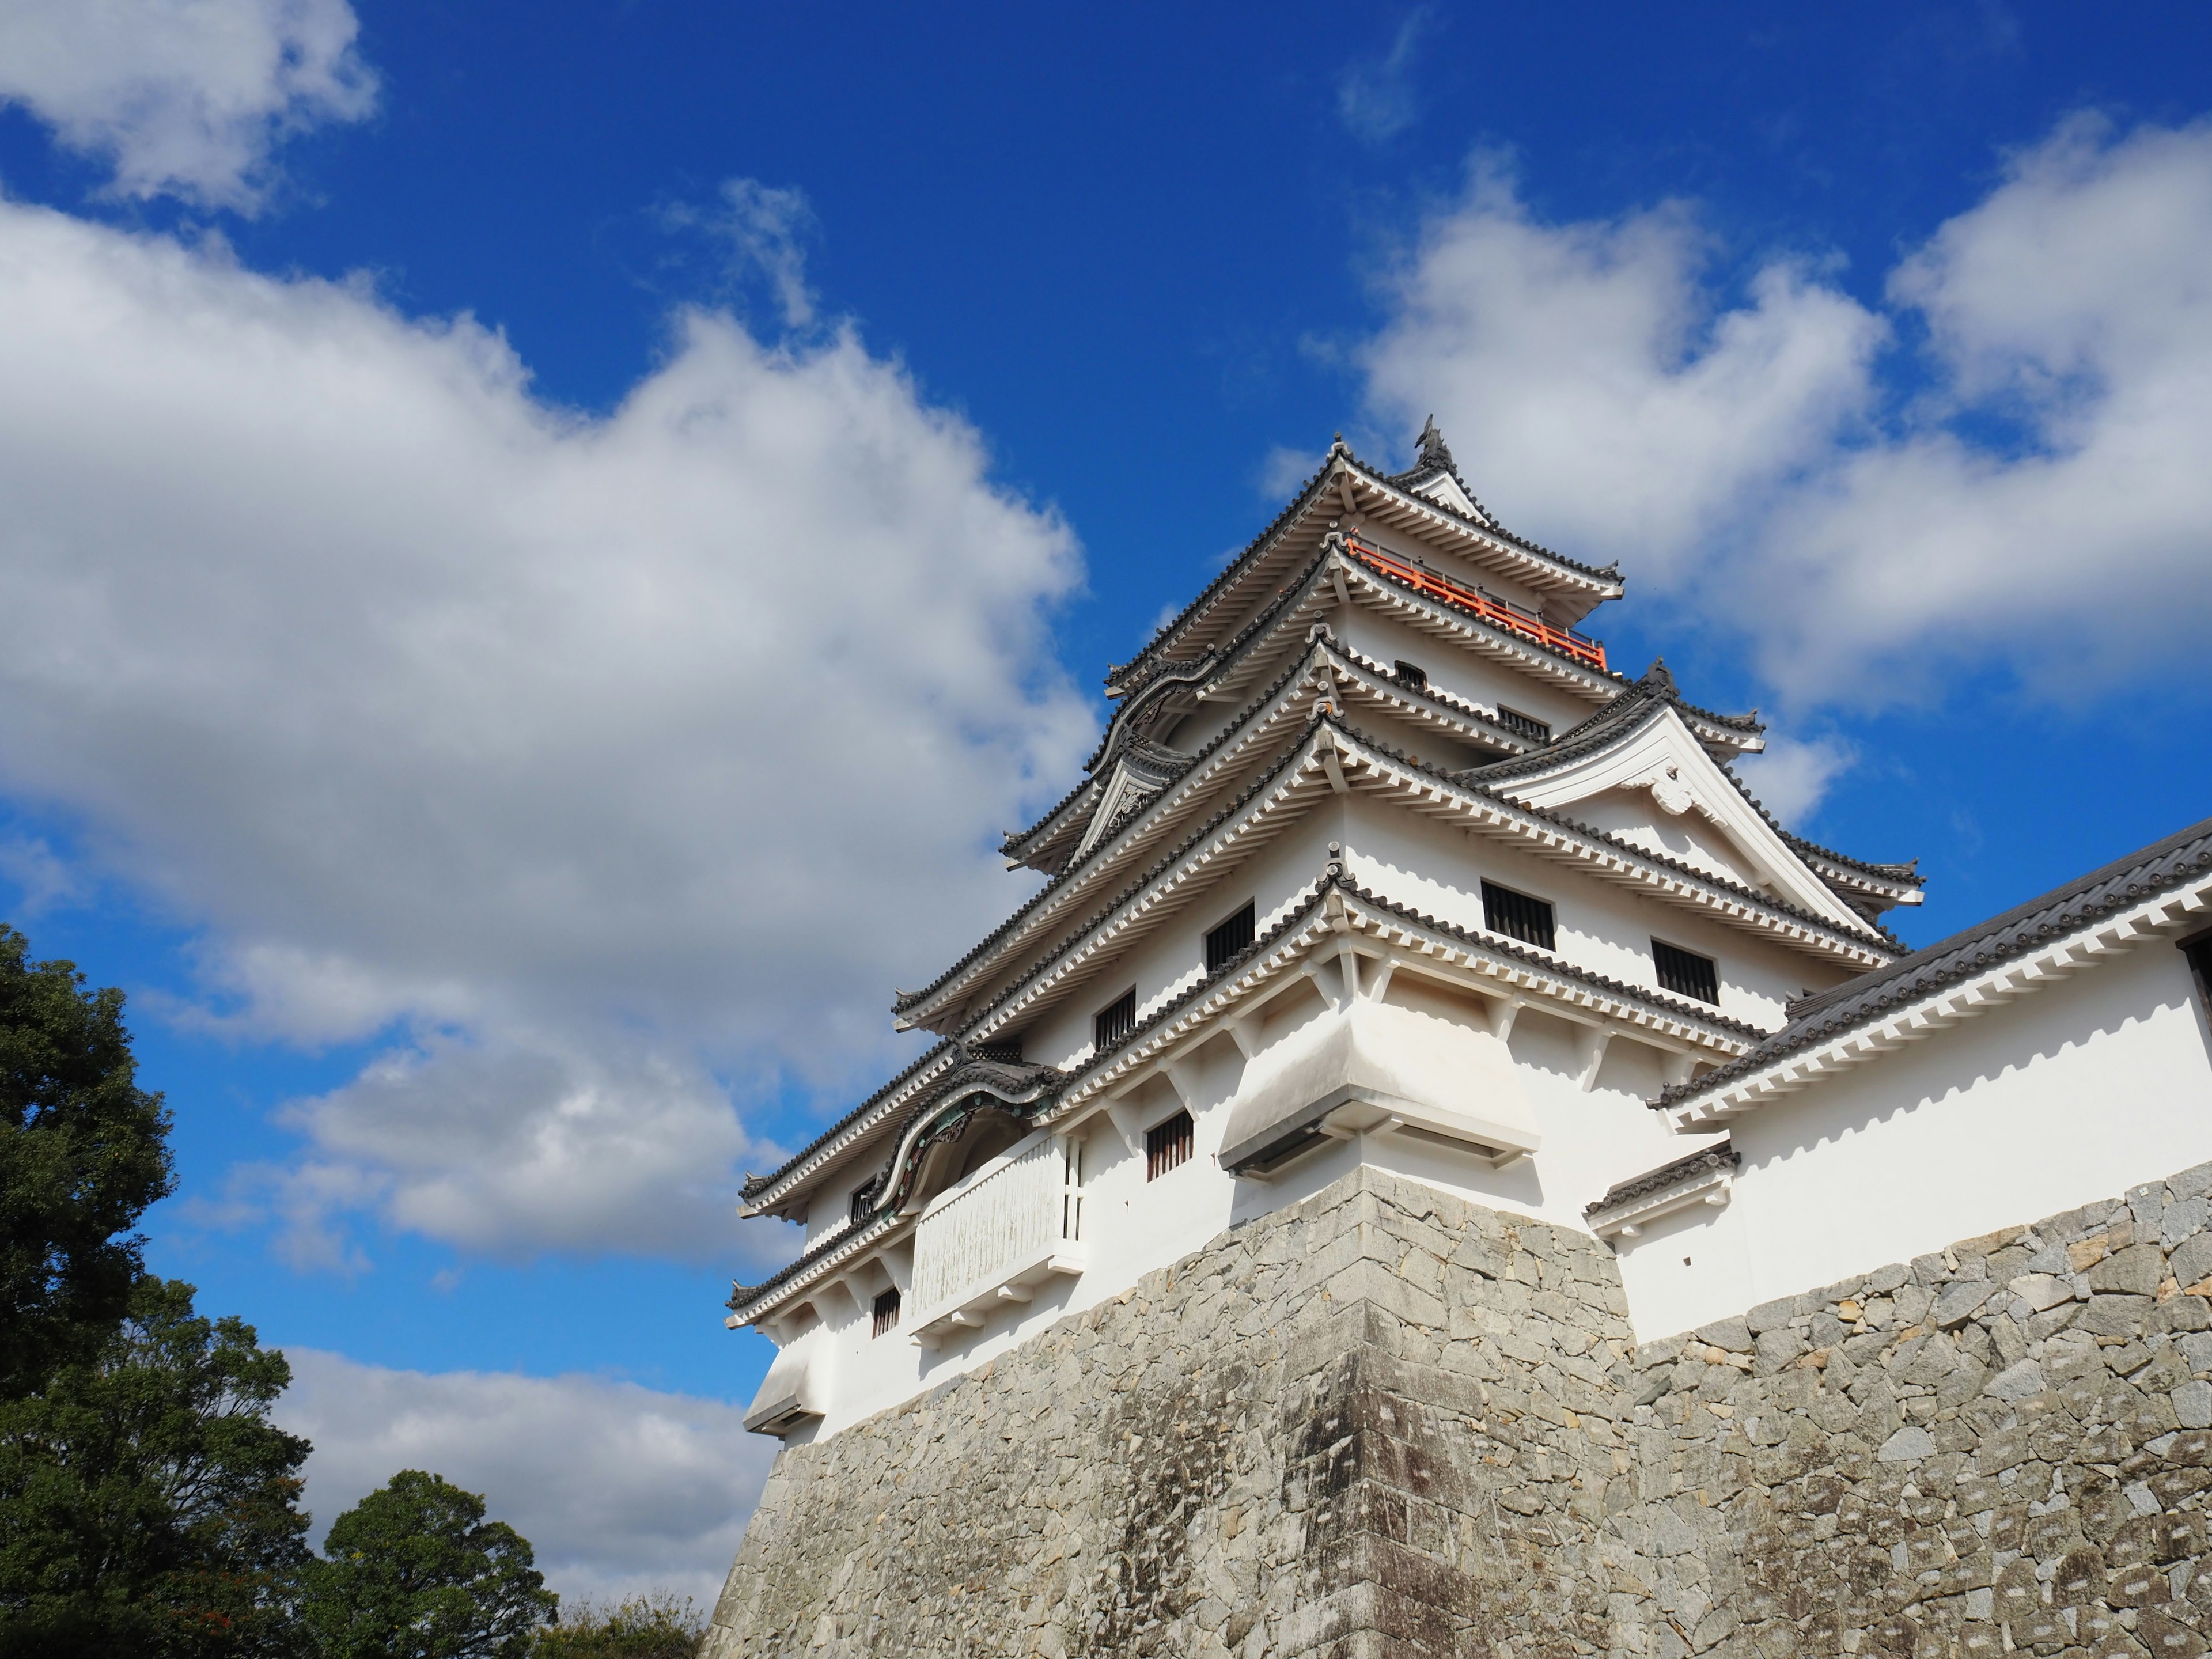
884, 1316
858, 1206
2196, 951
1520, 916
1411, 675
1169, 1143
1526, 726
1230, 936
1686, 973
1113, 1024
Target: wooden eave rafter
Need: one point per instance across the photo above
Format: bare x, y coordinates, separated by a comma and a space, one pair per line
1332, 751
1329, 917
2183, 908
1230, 758
1375, 498
1312, 599
842, 1144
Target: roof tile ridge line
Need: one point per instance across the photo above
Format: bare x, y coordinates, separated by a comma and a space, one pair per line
749, 1296
1994, 946
1233, 571
1730, 888
1451, 702
1502, 635
1237, 567
1118, 838
1999, 938
1100, 917
1291, 920
1015, 839
754, 1185
1551, 962
1488, 526
1802, 845
1722, 1154
1218, 661
1781, 907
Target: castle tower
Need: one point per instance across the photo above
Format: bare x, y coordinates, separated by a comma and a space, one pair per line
1379, 864
1437, 1170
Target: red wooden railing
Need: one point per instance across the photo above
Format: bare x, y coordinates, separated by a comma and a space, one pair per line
1564, 641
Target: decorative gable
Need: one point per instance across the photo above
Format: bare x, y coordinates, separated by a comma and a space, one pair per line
1652, 783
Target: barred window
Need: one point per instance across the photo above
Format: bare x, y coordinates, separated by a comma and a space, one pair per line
1686, 973
857, 1206
1410, 674
1528, 726
1517, 916
1114, 1022
887, 1307
1222, 943
1167, 1145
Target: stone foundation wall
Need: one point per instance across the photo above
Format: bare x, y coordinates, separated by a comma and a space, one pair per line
1384, 1423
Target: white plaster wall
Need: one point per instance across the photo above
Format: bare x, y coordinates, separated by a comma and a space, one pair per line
2074, 1094
1465, 673
1437, 867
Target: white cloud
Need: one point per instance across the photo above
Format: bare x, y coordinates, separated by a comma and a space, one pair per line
2044, 507
613, 764
184, 97
1281, 474
1375, 96
619, 1489
1590, 384
1791, 777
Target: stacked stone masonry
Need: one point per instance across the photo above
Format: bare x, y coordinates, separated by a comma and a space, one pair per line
1383, 1424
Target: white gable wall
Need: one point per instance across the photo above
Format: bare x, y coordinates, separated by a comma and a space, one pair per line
2080, 1092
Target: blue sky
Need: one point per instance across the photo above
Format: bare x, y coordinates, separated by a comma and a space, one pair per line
542, 543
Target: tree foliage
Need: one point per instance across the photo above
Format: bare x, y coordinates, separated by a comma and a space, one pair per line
148, 1506
415, 1572
660, 1626
83, 1153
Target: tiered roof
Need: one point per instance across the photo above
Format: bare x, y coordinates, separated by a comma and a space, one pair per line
1142, 840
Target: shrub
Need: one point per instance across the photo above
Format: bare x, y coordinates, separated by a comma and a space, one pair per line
656, 1627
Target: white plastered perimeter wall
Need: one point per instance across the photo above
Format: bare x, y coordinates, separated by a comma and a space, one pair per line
2082, 1090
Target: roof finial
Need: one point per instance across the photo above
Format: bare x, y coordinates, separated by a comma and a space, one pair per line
1659, 677
1433, 451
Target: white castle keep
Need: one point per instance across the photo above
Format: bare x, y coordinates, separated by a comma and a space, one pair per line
1380, 864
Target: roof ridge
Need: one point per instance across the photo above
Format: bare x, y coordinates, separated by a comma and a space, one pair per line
2065, 908
754, 1183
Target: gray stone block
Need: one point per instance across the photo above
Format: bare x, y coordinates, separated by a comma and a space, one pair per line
1732, 1335
1958, 1301
2134, 1271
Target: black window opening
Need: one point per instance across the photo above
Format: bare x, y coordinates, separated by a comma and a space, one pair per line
1513, 720
887, 1307
1113, 1023
1517, 916
1410, 674
857, 1207
1167, 1145
2197, 952
1686, 973
1234, 935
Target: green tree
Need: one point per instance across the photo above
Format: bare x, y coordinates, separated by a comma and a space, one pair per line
643, 1627
83, 1153
415, 1572
148, 1506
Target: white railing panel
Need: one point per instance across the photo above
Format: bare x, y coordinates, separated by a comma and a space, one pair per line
1005, 1217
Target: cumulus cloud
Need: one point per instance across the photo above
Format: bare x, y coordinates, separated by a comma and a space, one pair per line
619, 1489
1591, 383
1791, 777
1751, 454
184, 97
603, 766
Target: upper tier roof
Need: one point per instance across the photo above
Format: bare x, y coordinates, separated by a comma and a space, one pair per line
1416, 502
